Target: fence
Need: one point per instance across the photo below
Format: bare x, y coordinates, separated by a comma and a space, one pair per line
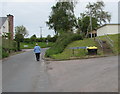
106, 38
109, 41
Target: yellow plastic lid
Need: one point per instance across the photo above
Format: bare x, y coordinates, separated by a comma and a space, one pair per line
92, 47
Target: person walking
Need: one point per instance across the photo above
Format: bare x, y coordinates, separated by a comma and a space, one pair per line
37, 51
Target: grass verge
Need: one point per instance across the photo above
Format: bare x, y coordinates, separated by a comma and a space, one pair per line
78, 53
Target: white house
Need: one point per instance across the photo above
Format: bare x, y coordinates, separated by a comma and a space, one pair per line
3, 25
6, 25
108, 29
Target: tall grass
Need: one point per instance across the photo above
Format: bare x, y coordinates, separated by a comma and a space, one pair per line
61, 43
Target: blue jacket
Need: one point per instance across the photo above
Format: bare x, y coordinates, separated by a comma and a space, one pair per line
37, 49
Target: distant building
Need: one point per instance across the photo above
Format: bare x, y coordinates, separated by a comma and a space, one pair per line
92, 33
7, 25
108, 29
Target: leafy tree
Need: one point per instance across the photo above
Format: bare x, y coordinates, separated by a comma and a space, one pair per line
19, 38
83, 24
96, 10
62, 18
21, 30
48, 37
93, 17
20, 33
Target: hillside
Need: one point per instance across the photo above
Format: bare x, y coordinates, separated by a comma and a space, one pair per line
78, 53
115, 41
83, 53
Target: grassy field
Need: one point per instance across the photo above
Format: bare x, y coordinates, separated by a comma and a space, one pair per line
81, 53
115, 38
31, 45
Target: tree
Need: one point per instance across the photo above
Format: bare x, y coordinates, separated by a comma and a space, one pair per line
83, 24
93, 17
20, 33
48, 37
62, 18
18, 39
33, 38
96, 10
21, 30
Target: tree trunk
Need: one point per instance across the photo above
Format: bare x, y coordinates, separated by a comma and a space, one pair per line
18, 46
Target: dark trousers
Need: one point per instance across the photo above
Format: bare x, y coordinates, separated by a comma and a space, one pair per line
37, 56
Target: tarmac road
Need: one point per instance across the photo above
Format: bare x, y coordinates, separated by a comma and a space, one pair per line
86, 75
21, 73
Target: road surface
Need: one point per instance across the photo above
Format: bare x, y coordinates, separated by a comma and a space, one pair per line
87, 75
21, 73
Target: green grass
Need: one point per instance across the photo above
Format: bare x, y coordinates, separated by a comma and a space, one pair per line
0, 41
31, 45
0, 47
61, 43
115, 38
81, 53
0, 52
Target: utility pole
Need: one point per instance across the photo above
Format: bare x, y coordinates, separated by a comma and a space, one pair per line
91, 21
40, 32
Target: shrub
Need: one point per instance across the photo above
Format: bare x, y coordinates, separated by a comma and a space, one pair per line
62, 41
5, 53
8, 46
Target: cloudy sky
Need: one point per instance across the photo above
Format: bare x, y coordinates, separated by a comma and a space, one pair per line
34, 13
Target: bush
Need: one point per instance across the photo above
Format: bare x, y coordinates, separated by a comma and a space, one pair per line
27, 40
61, 43
5, 53
8, 46
50, 39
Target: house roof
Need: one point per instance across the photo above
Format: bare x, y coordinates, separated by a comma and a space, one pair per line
2, 20
109, 24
